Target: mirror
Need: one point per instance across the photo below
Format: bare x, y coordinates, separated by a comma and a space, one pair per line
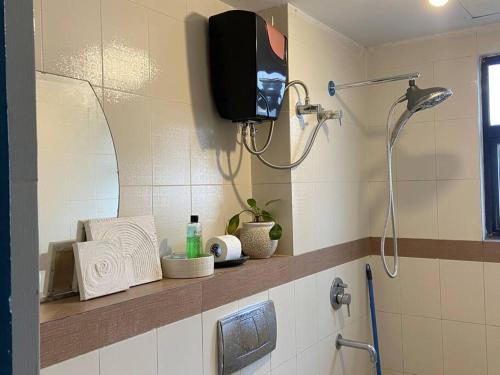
77, 170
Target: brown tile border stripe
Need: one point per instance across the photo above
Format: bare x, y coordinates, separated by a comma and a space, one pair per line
69, 328
479, 251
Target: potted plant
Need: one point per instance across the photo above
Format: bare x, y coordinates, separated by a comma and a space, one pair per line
259, 238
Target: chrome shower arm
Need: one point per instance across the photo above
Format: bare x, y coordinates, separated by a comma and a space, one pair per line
340, 342
332, 87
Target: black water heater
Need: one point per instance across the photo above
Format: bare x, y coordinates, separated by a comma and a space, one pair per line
248, 66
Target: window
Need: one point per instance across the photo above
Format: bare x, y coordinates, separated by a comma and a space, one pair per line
490, 92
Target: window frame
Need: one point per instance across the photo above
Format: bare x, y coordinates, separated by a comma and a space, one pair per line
491, 151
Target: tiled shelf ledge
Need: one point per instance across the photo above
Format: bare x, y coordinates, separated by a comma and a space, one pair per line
69, 327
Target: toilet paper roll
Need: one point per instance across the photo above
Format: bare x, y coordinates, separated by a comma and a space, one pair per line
224, 248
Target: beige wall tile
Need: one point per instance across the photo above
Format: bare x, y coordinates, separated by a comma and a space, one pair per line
307, 361
169, 59
378, 198
171, 209
376, 155
287, 368
460, 75
284, 303
416, 153
464, 348
77, 53
454, 45
136, 201
86, 364
306, 312
209, 322
173, 8
387, 290
492, 293
354, 361
417, 213
125, 46
422, 345
137, 355
37, 29
488, 40
171, 125
420, 294
129, 119
329, 361
457, 149
459, 221
178, 346
462, 281
390, 338
493, 345
326, 315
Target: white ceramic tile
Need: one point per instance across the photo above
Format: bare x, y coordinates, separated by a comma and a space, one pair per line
86, 364
492, 293
129, 119
77, 53
180, 347
306, 312
169, 59
416, 153
417, 209
125, 46
460, 281
209, 321
135, 201
464, 348
460, 75
493, 345
171, 209
287, 368
171, 125
304, 239
327, 321
284, 303
457, 149
378, 198
329, 361
419, 275
387, 290
307, 361
136, 355
459, 221
422, 345
352, 361
376, 156
390, 339
253, 299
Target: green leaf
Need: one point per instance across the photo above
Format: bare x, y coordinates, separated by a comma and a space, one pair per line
233, 224
272, 201
267, 216
252, 202
275, 232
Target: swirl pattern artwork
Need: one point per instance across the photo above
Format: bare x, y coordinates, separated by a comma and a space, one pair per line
101, 268
139, 242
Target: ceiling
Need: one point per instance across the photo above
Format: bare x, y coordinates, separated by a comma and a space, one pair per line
375, 22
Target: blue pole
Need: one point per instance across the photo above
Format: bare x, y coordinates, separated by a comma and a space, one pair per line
373, 316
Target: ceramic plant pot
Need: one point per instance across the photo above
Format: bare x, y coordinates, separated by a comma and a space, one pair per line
255, 241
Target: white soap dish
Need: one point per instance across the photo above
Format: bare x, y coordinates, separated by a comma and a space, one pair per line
175, 267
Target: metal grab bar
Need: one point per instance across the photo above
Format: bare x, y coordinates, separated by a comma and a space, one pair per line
340, 342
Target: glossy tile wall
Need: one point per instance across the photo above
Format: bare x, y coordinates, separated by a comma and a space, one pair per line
307, 328
438, 317
328, 191
148, 60
437, 161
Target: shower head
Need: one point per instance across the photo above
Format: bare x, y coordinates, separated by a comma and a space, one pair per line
418, 100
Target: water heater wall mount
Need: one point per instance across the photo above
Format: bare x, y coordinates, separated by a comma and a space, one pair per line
248, 66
